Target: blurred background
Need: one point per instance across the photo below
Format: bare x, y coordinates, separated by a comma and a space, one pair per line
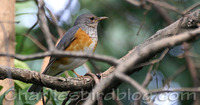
127, 26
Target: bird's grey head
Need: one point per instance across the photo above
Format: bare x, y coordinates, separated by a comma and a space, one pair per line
88, 19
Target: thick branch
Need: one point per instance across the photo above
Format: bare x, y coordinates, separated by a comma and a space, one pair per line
58, 83
141, 53
187, 23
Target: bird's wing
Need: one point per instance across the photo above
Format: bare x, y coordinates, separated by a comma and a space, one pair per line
63, 44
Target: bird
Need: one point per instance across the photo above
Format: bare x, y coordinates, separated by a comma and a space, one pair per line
81, 37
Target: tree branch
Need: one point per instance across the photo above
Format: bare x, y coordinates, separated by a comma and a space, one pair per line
145, 51
58, 83
57, 53
43, 24
133, 83
156, 91
187, 23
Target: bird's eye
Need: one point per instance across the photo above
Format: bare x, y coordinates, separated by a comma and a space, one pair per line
92, 18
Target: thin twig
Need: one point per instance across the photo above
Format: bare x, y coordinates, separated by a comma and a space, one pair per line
161, 4
96, 79
156, 91
36, 42
193, 71
44, 25
116, 98
43, 100
148, 77
27, 33
145, 83
30, 29
164, 14
57, 53
95, 67
87, 67
133, 83
62, 11
165, 5
139, 4
191, 66
55, 23
143, 22
191, 8
155, 60
173, 76
134, 2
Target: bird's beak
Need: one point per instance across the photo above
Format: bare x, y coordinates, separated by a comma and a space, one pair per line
102, 18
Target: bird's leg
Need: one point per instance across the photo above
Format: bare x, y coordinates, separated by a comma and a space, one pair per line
79, 76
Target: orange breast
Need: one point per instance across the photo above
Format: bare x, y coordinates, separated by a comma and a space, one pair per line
81, 41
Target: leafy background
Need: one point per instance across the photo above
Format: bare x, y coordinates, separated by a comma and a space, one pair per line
126, 27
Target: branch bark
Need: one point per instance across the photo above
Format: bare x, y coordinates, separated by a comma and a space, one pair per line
58, 83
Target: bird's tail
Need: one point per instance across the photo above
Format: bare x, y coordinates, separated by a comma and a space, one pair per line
35, 88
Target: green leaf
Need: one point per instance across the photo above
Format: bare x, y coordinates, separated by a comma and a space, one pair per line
1, 87
47, 93
20, 64
22, 85
53, 97
71, 73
